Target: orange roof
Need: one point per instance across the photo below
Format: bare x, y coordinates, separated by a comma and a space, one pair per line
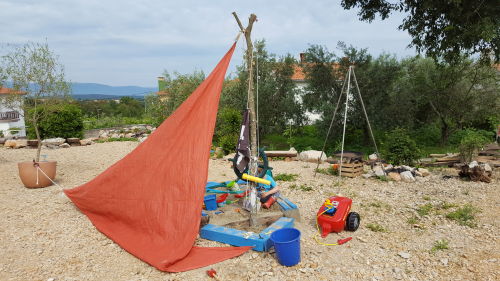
299, 75
9, 91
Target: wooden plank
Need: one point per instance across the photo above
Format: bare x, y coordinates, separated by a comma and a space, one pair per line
279, 153
448, 159
360, 169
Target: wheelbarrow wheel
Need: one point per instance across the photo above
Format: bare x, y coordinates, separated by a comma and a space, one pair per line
352, 222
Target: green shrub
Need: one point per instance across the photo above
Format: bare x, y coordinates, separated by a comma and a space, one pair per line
429, 135
464, 215
471, 142
62, 120
440, 245
285, 177
227, 129
376, 227
400, 148
424, 209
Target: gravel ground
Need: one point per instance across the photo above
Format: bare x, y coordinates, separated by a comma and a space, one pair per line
44, 237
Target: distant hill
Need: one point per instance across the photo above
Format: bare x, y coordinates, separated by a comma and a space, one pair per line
91, 91
79, 89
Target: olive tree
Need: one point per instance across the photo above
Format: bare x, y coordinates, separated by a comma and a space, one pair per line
33, 68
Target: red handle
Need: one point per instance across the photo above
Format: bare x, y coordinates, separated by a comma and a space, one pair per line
342, 241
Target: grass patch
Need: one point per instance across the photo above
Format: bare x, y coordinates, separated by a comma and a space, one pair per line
302, 187
376, 227
464, 216
440, 245
383, 178
116, 139
426, 198
286, 177
424, 210
327, 171
412, 220
446, 206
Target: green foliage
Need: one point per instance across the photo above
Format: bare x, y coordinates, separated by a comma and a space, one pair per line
412, 220
113, 121
441, 28
62, 120
115, 139
440, 245
14, 130
401, 149
227, 129
471, 142
302, 187
464, 215
375, 227
425, 210
275, 142
327, 171
286, 177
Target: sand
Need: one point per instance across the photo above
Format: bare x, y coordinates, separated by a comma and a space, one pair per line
44, 237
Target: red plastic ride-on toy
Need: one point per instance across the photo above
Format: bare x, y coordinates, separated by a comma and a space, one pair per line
334, 216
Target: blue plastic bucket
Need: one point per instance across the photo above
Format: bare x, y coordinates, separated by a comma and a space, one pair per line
210, 202
286, 242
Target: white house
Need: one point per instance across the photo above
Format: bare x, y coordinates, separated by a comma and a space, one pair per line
11, 117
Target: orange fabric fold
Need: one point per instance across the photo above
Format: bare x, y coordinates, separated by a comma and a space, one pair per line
150, 201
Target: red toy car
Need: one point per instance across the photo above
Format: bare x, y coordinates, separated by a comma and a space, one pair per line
334, 216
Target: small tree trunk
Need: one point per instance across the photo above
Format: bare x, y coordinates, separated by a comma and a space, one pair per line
39, 146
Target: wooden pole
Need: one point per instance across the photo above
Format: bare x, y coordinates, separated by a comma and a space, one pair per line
251, 101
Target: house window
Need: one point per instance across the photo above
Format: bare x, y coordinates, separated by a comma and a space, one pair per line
9, 115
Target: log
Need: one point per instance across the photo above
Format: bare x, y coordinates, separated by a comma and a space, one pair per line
281, 153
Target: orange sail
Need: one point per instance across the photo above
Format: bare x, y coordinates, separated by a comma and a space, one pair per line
150, 201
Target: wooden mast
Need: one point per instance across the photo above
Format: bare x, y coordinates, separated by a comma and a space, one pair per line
251, 102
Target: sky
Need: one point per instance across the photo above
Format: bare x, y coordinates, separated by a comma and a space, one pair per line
132, 42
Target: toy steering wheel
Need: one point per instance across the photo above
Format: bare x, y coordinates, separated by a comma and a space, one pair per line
264, 165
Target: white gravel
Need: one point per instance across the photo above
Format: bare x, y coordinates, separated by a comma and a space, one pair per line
44, 237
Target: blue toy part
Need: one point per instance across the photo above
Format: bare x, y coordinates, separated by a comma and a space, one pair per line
235, 237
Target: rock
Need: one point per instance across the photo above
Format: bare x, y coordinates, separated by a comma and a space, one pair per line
473, 164
73, 141
424, 172
129, 135
487, 167
407, 168
51, 279
312, 156
368, 175
418, 174
404, 255
378, 171
373, 156
10, 143
142, 139
444, 261
407, 176
3, 140
53, 141
394, 176
388, 167
115, 136
86, 142
104, 135
21, 143
65, 145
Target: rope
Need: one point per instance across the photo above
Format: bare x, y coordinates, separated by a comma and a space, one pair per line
345, 119
37, 169
330, 128
366, 115
257, 99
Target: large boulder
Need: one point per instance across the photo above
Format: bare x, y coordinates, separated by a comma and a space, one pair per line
407, 176
423, 172
312, 156
16, 143
86, 142
73, 141
53, 141
379, 172
394, 176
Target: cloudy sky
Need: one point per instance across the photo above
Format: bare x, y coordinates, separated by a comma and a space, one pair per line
131, 42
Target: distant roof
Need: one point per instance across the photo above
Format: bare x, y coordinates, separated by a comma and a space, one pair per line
299, 75
9, 91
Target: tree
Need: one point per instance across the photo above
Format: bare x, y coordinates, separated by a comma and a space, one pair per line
442, 28
34, 69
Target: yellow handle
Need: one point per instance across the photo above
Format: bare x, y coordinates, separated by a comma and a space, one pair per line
255, 179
